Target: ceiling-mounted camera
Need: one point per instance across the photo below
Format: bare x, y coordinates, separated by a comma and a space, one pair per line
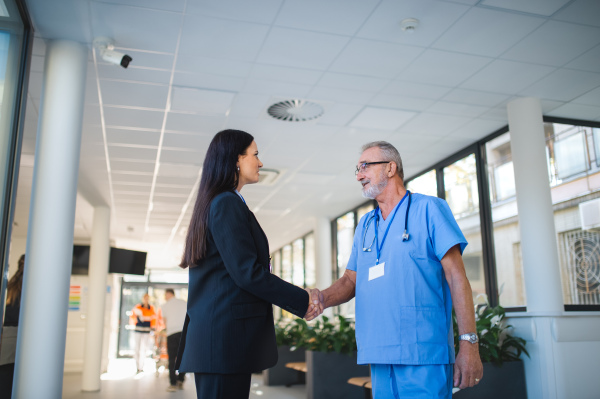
106, 48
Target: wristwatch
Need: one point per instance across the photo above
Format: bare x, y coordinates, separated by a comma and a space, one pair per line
471, 337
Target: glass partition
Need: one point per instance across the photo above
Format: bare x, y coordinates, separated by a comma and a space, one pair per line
425, 184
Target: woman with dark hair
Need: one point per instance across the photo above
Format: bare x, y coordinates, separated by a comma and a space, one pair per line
229, 331
9, 330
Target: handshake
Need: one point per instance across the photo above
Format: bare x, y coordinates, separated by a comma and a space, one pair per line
316, 303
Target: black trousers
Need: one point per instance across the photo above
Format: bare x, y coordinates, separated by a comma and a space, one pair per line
172, 347
222, 386
7, 372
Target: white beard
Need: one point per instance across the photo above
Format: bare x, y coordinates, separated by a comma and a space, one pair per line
374, 190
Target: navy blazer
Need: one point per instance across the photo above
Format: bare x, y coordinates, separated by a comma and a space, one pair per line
229, 326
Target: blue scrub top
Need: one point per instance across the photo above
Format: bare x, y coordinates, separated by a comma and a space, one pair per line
405, 316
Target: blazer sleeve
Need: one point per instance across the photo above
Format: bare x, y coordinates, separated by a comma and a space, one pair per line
229, 225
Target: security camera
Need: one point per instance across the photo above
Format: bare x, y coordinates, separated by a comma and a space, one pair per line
106, 48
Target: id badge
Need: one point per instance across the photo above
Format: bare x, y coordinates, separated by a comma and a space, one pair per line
376, 271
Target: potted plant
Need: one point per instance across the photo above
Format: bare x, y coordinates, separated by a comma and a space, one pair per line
288, 334
331, 360
503, 371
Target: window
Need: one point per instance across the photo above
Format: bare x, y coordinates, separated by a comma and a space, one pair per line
298, 262
345, 237
424, 184
507, 236
460, 183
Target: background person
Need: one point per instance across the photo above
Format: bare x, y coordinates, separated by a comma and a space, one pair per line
144, 318
229, 330
173, 314
8, 347
406, 271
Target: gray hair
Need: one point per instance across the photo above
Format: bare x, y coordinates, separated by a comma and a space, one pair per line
390, 153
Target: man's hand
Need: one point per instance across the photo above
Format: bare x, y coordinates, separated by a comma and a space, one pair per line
315, 304
468, 370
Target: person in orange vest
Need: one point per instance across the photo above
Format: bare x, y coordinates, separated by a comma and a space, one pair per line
144, 318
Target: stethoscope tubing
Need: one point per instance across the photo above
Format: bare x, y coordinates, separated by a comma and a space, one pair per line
367, 222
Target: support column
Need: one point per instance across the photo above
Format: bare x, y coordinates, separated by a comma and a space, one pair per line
536, 216
98, 273
45, 296
323, 255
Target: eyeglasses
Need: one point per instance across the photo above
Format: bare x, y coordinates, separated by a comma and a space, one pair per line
363, 166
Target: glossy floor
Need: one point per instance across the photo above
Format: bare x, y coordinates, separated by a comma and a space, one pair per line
121, 382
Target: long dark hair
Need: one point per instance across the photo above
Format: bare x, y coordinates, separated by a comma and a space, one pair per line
219, 174
13, 289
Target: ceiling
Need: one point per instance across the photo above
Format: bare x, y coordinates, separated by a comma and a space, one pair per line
200, 66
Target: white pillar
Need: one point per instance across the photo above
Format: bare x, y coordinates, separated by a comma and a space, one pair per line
323, 255
98, 273
536, 217
43, 317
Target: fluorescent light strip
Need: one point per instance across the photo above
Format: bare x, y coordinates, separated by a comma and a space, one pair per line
162, 130
113, 208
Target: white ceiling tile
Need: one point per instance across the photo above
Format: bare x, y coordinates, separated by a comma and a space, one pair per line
172, 5
339, 114
321, 16
220, 38
249, 105
477, 129
340, 95
133, 94
577, 111
352, 82
555, 43
178, 170
590, 98
183, 190
205, 102
126, 178
135, 28
178, 180
540, 7
122, 136
91, 115
129, 166
587, 62
434, 17
458, 109
497, 113
122, 152
197, 142
580, 12
275, 88
190, 157
371, 58
563, 85
401, 102
212, 66
286, 74
475, 97
259, 11
134, 118
550, 105
189, 123
134, 74
417, 90
487, 32
301, 49
381, 118
506, 77
428, 124
410, 143
443, 68
208, 81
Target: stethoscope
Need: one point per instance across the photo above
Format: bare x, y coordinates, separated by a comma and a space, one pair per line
375, 216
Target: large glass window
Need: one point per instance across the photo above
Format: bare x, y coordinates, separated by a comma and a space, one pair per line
507, 238
424, 184
345, 237
460, 182
310, 274
14, 34
286, 263
298, 262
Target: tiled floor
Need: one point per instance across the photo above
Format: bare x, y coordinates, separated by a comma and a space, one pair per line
121, 382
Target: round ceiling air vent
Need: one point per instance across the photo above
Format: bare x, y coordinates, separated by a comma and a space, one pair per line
295, 110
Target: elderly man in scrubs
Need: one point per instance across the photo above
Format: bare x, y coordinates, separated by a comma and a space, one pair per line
407, 273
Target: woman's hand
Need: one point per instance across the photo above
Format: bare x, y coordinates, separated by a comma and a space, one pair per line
315, 304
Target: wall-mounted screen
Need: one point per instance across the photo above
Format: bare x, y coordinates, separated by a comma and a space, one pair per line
125, 261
